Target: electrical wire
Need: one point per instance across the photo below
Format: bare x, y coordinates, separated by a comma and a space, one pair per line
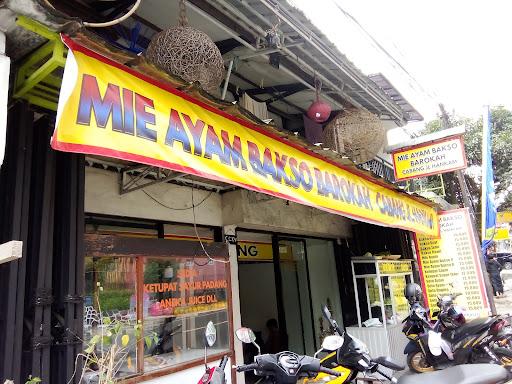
193, 207
176, 209
115, 21
199, 238
379, 46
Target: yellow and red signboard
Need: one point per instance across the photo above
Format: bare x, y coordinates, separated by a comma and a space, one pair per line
430, 159
110, 110
451, 264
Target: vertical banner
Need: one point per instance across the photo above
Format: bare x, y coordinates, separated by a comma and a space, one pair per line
451, 264
488, 204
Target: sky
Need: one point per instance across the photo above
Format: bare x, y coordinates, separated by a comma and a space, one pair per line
455, 52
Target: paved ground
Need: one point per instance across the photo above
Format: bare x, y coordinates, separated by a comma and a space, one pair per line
504, 304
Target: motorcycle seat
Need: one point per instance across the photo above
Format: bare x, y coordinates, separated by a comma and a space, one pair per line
472, 327
460, 374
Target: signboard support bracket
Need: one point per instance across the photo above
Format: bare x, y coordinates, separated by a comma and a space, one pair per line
134, 178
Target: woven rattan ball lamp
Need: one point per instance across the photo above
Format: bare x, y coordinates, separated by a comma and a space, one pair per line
357, 133
188, 53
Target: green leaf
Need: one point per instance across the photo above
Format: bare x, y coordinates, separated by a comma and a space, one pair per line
107, 340
148, 341
125, 340
138, 331
89, 349
107, 320
95, 340
117, 328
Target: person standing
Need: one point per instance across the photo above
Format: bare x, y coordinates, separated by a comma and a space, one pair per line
494, 268
277, 340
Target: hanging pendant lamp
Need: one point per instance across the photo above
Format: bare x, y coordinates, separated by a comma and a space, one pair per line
188, 53
319, 111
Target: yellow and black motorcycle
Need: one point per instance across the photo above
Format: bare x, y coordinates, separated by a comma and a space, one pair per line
348, 356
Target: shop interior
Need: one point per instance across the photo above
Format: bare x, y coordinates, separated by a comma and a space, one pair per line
287, 279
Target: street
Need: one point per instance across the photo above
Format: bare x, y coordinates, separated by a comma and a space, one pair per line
504, 304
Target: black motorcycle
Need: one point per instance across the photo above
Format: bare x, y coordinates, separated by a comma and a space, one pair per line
451, 340
350, 358
288, 368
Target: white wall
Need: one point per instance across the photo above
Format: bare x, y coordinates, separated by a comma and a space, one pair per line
102, 196
252, 210
242, 208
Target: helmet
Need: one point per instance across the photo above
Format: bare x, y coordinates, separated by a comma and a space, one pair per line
453, 318
412, 293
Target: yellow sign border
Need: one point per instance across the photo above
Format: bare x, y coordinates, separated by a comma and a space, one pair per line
319, 182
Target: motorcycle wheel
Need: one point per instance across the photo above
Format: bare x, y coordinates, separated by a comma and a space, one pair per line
417, 362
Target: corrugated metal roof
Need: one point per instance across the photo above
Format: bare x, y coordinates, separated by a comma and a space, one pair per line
410, 113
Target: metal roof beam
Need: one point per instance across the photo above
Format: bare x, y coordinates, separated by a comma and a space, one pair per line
320, 46
250, 23
276, 88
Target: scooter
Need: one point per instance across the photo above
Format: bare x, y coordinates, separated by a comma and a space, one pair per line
476, 341
281, 368
349, 356
461, 374
346, 358
212, 375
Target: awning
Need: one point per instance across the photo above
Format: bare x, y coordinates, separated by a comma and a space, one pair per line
109, 109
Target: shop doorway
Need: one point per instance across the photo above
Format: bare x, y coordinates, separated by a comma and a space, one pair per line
297, 317
287, 279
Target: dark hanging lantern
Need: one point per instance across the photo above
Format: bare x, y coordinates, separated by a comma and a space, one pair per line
319, 111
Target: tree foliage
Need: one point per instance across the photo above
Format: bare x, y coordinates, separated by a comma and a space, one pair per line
501, 148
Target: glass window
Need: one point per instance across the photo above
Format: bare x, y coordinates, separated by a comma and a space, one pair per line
153, 311
323, 279
110, 315
180, 297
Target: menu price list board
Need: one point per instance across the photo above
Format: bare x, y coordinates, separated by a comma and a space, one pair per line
451, 264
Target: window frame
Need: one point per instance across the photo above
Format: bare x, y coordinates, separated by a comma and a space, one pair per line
110, 245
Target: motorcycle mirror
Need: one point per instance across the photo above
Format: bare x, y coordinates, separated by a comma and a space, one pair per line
326, 313
333, 342
246, 335
388, 362
210, 334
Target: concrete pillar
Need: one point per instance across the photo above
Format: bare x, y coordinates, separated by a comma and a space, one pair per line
235, 297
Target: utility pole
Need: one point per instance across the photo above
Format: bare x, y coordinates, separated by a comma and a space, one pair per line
445, 123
